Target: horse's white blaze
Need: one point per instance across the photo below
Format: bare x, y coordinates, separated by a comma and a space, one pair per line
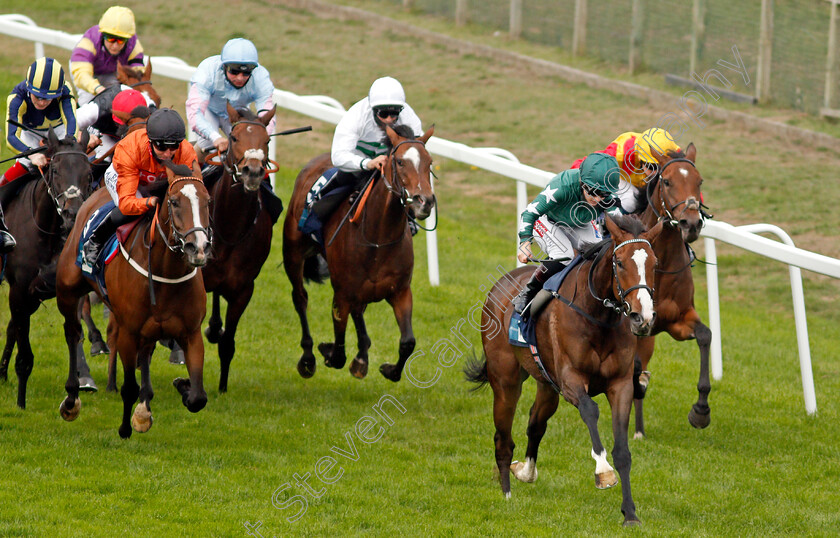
253, 153
190, 192
640, 256
601, 463
413, 156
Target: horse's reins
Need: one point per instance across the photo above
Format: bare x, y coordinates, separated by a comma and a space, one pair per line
403, 193
73, 191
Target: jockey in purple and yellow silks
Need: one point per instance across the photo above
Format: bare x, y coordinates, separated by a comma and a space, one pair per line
634, 154
93, 62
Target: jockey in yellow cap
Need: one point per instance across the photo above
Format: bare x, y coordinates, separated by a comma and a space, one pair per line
635, 155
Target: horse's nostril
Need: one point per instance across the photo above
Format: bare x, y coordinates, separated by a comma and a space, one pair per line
635, 317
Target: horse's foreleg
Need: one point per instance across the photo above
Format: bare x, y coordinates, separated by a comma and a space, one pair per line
192, 391
142, 420
604, 474
113, 333
359, 367
644, 352
69, 408
127, 347
21, 309
306, 365
227, 344
620, 396
402, 304
8, 347
334, 353
700, 414
544, 407
214, 330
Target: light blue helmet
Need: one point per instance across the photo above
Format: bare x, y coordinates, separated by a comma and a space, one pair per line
240, 51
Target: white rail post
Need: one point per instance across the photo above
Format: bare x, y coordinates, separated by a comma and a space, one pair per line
716, 351
521, 204
431, 242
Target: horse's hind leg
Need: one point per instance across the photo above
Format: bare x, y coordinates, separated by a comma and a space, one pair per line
130, 391
141, 420
544, 407
227, 344
294, 270
620, 396
507, 387
97, 345
700, 414
113, 332
402, 304
359, 367
8, 348
334, 353
214, 329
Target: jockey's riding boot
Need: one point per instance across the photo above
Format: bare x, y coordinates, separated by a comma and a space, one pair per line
541, 274
107, 228
7, 242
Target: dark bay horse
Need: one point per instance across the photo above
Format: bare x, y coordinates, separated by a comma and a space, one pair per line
371, 257
242, 230
40, 216
587, 349
155, 291
674, 197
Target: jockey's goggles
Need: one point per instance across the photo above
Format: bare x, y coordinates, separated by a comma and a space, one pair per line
114, 39
387, 112
591, 191
239, 69
164, 145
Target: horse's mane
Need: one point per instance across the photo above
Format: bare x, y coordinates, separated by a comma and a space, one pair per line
180, 169
403, 130
247, 113
629, 223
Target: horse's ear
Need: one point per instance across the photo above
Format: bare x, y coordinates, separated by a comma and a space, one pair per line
232, 113
428, 134
85, 139
121, 76
614, 229
147, 73
124, 116
654, 232
52, 139
691, 152
392, 135
661, 159
266, 117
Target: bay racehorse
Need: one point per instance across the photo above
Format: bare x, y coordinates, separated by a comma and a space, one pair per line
140, 81
370, 258
586, 349
674, 196
40, 216
242, 230
154, 290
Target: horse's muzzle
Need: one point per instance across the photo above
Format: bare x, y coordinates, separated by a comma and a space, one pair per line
196, 256
639, 326
251, 175
421, 206
690, 228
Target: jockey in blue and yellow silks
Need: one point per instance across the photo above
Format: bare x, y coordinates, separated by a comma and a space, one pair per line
634, 153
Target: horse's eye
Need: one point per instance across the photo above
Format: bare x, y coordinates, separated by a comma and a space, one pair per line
666, 182
232, 138
176, 203
399, 162
619, 264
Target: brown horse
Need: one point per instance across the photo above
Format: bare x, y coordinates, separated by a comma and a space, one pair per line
155, 291
140, 81
674, 196
242, 230
371, 257
586, 349
40, 216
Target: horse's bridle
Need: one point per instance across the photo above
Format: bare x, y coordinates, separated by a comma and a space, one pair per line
401, 192
667, 213
71, 192
232, 168
622, 306
179, 238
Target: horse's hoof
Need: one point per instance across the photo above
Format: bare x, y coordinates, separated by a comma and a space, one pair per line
87, 384
605, 480
125, 431
69, 414
99, 348
181, 385
359, 368
111, 388
176, 356
142, 419
327, 349
699, 418
631, 523
390, 371
306, 367
639, 436
523, 472
214, 335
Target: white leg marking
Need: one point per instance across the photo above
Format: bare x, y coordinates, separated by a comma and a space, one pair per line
190, 192
601, 463
525, 472
644, 296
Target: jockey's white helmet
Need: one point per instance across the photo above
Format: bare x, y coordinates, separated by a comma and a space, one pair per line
386, 91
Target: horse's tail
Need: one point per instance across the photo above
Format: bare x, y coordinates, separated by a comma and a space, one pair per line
315, 269
475, 371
